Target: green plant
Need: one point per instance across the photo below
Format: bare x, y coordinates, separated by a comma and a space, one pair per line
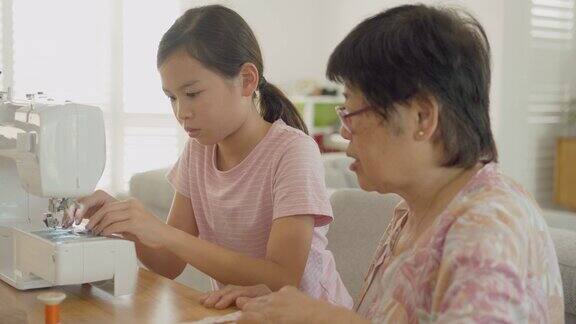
324, 113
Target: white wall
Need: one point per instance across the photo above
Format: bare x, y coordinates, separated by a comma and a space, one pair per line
293, 35
488, 12
298, 36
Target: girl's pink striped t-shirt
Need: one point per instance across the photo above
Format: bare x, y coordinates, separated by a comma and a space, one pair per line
282, 176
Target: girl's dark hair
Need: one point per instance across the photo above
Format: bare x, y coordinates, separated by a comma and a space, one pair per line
222, 41
415, 49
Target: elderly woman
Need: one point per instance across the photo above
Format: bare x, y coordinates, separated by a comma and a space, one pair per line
467, 244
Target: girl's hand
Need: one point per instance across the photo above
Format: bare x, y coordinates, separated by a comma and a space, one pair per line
128, 218
228, 295
85, 207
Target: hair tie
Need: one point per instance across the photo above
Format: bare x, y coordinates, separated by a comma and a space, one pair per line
262, 82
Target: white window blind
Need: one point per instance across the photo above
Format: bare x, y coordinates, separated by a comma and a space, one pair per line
3, 16
6, 43
101, 53
552, 20
551, 85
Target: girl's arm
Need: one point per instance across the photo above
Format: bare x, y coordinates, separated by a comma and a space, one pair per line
286, 255
161, 260
166, 249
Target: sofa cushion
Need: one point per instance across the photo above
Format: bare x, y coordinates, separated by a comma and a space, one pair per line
337, 173
360, 219
152, 188
565, 244
560, 219
365, 215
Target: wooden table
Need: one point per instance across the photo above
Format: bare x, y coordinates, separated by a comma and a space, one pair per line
155, 300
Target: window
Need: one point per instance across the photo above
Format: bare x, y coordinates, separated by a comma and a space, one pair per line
151, 137
103, 54
551, 85
552, 20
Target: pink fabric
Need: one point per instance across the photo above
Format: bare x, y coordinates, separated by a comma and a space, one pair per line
282, 176
487, 258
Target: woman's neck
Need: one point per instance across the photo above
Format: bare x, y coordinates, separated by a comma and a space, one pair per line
238, 145
432, 193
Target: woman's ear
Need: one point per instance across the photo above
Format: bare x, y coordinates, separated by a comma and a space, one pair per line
427, 110
249, 79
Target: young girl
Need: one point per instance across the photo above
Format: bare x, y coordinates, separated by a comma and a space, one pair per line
250, 206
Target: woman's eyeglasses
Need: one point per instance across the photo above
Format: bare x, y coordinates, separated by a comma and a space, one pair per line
345, 115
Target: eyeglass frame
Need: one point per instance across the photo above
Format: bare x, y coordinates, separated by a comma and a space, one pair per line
344, 115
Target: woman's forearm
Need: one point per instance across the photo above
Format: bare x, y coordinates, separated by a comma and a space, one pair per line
224, 265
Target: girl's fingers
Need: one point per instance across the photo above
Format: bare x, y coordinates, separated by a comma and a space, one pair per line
78, 214
203, 297
90, 204
110, 207
212, 299
230, 298
109, 219
116, 228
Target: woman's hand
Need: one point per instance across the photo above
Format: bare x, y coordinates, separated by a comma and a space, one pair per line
85, 207
128, 218
289, 305
228, 295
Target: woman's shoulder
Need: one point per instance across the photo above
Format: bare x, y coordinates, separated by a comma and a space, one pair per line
493, 192
493, 208
496, 232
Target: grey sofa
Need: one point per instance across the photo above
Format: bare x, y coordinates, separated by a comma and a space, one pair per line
360, 218
364, 216
156, 194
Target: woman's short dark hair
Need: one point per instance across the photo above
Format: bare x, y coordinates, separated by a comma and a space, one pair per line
420, 50
222, 41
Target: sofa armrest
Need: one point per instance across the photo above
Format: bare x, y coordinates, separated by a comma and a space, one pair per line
360, 220
153, 190
337, 173
565, 245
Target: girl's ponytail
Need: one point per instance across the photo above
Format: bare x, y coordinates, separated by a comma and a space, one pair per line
275, 105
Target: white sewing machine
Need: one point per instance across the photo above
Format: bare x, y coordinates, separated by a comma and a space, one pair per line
50, 154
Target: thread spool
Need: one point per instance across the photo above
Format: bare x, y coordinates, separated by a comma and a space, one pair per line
52, 302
